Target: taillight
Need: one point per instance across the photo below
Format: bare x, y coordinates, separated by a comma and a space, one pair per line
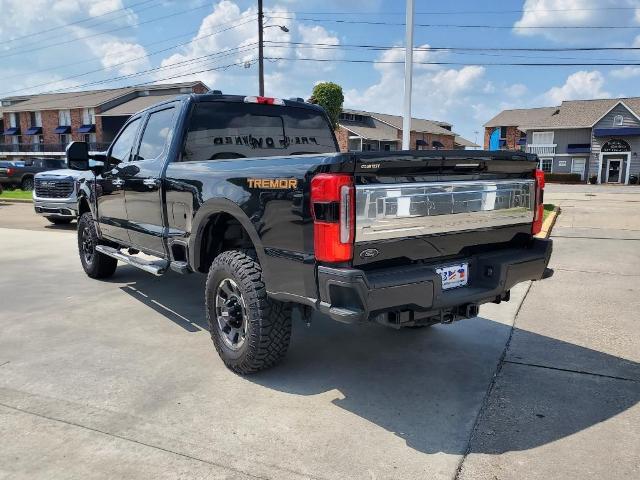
333, 211
9, 172
538, 207
264, 100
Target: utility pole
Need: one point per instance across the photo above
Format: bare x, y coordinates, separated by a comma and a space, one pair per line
260, 50
408, 77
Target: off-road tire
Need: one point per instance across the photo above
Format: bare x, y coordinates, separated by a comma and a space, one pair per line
98, 265
59, 220
268, 321
27, 184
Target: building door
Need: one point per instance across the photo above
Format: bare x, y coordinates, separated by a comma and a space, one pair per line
614, 170
578, 165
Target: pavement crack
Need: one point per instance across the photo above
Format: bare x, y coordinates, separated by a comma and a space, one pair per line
581, 372
5, 363
598, 238
596, 271
149, 445
487, 395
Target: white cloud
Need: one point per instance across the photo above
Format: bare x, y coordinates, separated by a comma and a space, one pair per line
625, 73
102, 7
114, 53
579, 85
317, 35
573, 13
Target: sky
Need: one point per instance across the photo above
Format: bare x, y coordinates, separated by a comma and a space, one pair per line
66, 45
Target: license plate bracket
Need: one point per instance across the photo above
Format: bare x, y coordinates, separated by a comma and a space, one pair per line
454, 276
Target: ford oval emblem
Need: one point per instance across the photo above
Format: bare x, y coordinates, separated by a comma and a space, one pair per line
369, 253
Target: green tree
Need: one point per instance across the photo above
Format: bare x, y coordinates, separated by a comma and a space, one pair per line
329, 96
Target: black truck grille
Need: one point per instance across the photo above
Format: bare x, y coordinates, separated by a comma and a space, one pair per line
54, 188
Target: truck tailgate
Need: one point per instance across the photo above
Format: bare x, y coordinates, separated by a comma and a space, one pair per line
420, 205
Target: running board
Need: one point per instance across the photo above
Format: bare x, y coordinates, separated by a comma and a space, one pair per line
156, 267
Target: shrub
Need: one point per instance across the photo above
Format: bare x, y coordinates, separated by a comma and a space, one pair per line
562, 178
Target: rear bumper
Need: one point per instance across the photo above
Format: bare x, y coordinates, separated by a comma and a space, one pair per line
352, 295
56, 207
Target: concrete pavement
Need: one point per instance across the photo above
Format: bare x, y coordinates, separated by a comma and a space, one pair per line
118, 379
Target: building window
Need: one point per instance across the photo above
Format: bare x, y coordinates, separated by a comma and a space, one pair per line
503, 133
618, 120
542, 138
89, 116
64, 118
13, 120
64, 140
35, 119
546, 165
351, 117
90, 138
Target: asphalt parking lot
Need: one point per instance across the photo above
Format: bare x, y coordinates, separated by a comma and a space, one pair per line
118, 378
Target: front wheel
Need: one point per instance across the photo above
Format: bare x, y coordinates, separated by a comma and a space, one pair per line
94, 263
27, 184
250, 331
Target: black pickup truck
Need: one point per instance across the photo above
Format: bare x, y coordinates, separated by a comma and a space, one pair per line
21, 173
253, 192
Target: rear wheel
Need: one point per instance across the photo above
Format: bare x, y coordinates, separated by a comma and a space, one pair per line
59, 220
27, 184
94, 263
250, 331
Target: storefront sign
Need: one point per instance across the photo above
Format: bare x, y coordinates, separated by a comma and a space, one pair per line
616, 145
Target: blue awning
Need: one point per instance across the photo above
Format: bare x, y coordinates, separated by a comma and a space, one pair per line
12, 131
503, 143
616, 132
34, 131
421, 143
87, 129
62, 129
579, 148
522, 141
437, 144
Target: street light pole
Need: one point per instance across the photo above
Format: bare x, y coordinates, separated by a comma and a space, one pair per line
260, 50
408, 74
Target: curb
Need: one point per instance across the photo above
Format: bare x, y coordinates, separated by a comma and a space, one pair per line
549, 223
16, 200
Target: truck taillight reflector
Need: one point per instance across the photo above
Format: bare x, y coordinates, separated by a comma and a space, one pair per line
264, 100
9, 172
333, 211
539, 207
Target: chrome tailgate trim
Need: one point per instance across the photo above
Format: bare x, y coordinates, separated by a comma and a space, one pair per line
387, 211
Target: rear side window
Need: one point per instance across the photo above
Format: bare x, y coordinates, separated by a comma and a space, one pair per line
54, 163
156, 134
236, 130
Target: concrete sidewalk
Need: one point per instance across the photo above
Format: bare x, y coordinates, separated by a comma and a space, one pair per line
565, 401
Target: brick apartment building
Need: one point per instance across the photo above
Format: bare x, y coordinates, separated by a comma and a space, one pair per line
43, 125
359, 130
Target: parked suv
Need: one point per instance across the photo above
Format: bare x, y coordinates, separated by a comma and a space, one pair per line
21, 173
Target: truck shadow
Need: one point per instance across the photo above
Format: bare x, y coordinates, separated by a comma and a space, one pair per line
426, 386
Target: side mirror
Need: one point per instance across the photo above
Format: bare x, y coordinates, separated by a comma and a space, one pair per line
78, 155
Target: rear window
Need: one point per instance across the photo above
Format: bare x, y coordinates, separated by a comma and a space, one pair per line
237, 130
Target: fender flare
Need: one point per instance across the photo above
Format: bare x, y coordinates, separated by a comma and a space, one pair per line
201, 219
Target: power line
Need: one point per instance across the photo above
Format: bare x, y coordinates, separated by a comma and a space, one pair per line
467, 64
468, 12
454, 51
22, 52
439, 25
92, 92
86, 19
142, 56
431, 48
130, 60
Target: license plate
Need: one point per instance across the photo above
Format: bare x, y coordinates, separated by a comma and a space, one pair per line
454, 276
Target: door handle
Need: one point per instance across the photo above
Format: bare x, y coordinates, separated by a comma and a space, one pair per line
151, 182
117, 182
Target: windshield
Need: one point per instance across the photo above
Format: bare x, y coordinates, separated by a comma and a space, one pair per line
237, 130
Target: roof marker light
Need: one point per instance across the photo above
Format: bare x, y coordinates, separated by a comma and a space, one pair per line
264, 100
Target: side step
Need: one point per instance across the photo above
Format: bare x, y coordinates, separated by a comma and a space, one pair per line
156, 267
